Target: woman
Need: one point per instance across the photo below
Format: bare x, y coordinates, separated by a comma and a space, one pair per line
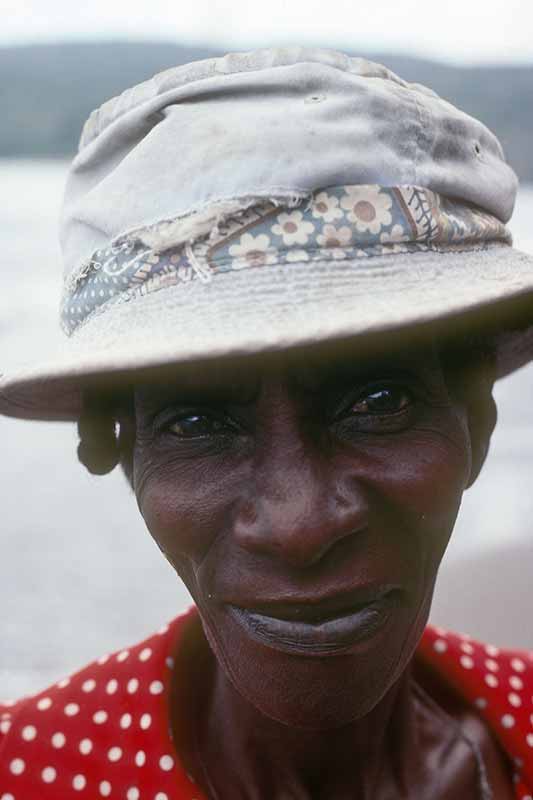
289, 290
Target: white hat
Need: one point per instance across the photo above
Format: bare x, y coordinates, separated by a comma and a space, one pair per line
268, 200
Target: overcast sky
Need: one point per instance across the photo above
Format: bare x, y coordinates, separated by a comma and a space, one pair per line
456, 30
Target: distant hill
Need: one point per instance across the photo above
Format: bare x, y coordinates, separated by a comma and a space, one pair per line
47, 91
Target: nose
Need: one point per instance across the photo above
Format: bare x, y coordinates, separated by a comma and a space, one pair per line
298, 508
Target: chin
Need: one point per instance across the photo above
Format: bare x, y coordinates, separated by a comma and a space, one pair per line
314, 691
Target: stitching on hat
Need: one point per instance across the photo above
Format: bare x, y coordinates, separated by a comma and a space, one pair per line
203, 271
138, 292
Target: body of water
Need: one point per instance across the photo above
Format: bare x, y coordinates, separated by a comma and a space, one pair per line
79, 574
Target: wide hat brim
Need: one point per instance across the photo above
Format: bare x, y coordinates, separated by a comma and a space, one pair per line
280, 307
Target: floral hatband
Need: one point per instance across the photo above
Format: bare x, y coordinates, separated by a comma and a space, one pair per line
347, 223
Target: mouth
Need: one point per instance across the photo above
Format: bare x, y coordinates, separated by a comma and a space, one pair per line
321, 629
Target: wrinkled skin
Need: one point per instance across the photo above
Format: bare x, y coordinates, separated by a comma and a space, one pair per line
295, 479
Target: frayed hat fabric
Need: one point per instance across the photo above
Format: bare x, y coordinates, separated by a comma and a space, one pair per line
268, 200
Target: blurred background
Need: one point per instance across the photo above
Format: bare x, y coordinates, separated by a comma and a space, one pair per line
79, 574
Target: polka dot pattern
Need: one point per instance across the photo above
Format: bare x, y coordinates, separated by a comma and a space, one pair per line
499, 683
103, 732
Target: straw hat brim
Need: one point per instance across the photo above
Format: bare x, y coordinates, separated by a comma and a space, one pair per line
272, 308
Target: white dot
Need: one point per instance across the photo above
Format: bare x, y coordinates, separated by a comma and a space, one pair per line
114, 754
122, 656
5, 725
71, 709
169, 662
63, 683
514, 700
518, 665
88, 685
112, 686
105, 788
140, 758
467, 648
491, 650
133, 685
125, 721
145, 654
7, 796
467, 662
491, 680
492, 665
79, 782
17, 766
44, 703
440, 646
103, 659
85, 746
156, 687
100, 717
133, 793
166, 763
516, 682
146, 721
163, 630
529, 739
481, 702
161, 796
48, 774
58, 740
507, 720
29, 733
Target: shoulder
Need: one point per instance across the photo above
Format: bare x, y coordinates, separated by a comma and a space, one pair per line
479, 665
497, 682
98, 730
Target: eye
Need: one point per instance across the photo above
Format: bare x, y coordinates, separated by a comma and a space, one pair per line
381, 408
383, 401
198, 426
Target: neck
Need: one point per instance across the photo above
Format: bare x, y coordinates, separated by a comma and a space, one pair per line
240, 745
226, 743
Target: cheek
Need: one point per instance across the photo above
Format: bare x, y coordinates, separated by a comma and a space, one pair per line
422, 482
185, 510
429, 476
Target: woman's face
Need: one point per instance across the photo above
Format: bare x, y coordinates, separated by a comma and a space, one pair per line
306, 503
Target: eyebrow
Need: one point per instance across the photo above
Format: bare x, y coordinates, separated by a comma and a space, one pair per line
234, 390
313, 372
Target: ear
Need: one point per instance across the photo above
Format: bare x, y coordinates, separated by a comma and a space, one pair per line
482, 416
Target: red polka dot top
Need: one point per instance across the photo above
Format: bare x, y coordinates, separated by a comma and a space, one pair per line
104, 731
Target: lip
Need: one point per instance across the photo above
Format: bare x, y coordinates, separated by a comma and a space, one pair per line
329, 628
